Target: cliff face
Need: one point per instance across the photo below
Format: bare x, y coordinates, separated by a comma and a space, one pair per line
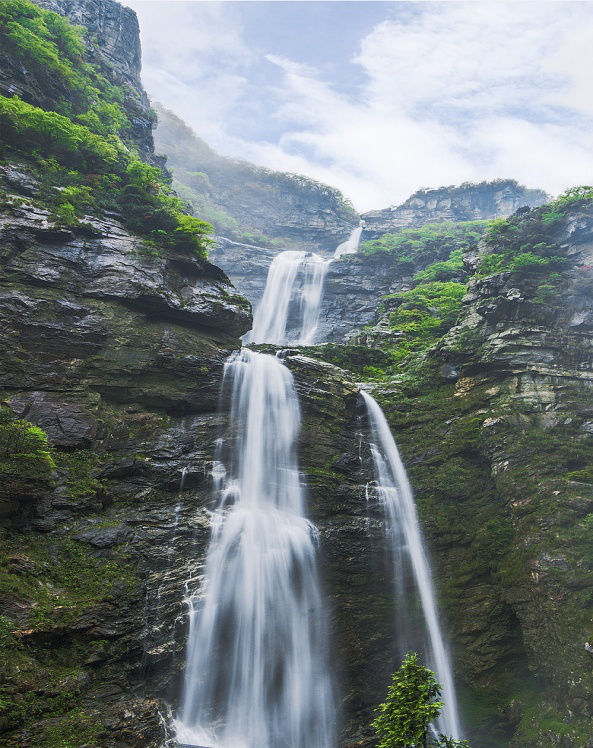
117, 355
113, 347
355, 284
113, 356
113, 45
468, 202
250, 204
496, 431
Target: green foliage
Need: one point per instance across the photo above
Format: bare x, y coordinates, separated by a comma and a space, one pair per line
24, 449
413, 249
28, 128
404, 718
424, 314
447, 270
574, 196
53, 50
523, 243
153, 211
77, 145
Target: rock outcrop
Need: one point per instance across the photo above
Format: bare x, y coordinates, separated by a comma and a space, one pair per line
467, 202
250, 204
113, 44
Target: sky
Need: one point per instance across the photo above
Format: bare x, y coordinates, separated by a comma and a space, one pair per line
381, 99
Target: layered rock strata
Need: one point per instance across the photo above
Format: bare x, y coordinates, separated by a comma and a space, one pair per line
467, 202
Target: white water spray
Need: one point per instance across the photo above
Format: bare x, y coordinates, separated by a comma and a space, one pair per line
293, 290
397, 500
350, 245
257, 672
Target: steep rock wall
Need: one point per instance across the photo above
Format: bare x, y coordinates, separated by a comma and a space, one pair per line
467, 202
118, 356
496, 431
251, 204
113, 44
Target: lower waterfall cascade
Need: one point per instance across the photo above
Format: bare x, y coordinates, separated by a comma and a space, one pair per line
257, 673
409, 558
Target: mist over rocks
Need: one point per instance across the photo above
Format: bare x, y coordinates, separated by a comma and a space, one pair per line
251, 204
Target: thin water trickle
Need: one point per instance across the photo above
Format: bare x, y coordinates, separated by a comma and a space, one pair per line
410, 563
350, 245
257, 674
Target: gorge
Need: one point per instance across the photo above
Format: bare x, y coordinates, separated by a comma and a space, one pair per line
473, 337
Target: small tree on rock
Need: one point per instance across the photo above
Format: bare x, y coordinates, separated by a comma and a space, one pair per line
403, 719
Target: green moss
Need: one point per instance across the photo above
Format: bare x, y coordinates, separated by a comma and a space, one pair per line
62, 581
24, 449
77, 728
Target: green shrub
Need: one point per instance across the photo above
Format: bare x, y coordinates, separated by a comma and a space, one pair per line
24, 448
53, 50
413, 249
27, 128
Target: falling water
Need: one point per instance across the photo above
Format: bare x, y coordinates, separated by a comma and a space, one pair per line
395, 495
293, 289
256, 673
350, 245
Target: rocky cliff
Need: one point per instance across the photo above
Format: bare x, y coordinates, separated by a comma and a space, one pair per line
113, 345
494, 423
356, 283
248, 203
467, 202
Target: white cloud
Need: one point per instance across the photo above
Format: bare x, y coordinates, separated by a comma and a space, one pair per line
194, 58
445, 92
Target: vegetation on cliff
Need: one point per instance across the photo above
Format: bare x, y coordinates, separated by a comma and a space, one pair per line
79, 147
493, 417
404, 719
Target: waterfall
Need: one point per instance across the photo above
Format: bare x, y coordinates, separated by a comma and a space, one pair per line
293, 289
410, 562
350, 245
256, 672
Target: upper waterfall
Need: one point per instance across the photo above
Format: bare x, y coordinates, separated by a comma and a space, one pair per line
351, 244
410, 564
294, 289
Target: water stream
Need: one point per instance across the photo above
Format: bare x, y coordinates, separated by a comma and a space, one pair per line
257, 674
410, 565
293, 293
288, 312
351, 244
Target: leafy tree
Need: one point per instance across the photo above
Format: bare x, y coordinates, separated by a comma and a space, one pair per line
404, 718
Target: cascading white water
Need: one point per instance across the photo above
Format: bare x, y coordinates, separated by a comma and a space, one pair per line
256, 674
350, 245
294, 286
397, 500
293, 291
